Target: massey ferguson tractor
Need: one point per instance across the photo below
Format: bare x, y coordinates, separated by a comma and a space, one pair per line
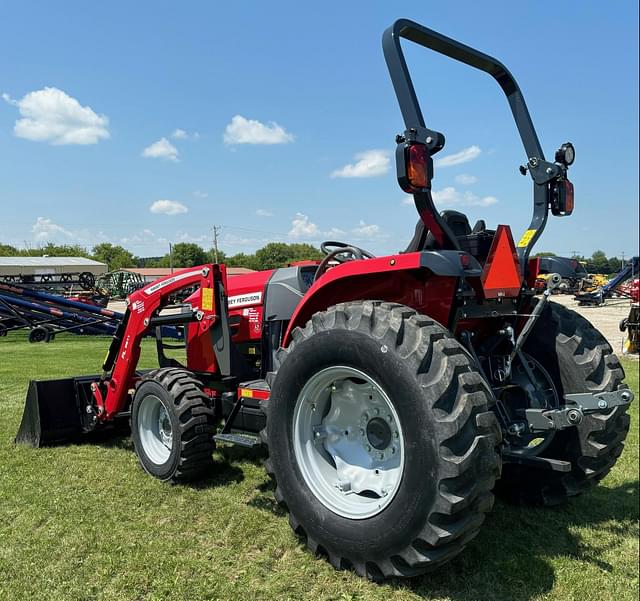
391, 392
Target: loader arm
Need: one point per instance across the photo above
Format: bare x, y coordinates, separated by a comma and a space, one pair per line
111, 392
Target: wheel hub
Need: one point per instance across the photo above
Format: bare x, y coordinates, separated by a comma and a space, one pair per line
348, 442
154, 429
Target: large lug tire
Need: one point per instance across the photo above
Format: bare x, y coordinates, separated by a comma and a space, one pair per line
172, 425
578, 359
437, 403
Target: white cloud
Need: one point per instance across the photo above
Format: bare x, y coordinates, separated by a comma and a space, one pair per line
251, 131
168, 207
162, 149
200, 194
334, 232
181, 134
51, 115
369, 163
146, 238
407, 200
264, 213
466, 180
187, 237
450, 196
366, 231
464, 156
302, 227
44, 229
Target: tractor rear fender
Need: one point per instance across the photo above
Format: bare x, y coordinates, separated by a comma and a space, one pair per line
425, 281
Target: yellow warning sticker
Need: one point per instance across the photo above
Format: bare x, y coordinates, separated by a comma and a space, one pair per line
526, 238
207, 299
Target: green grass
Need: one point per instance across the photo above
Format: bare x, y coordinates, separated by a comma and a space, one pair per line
85, 522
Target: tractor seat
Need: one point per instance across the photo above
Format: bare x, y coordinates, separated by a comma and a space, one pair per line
458, 223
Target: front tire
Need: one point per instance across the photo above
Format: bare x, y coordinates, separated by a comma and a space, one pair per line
172, 425
435, 405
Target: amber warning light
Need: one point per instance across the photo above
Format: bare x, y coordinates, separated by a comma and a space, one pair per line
414, 167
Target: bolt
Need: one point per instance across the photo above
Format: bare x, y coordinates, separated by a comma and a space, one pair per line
89, 409
313, 407
365, 416
389, 418
533, 161
625, 396
429, 140
380, 455
574, 417
146, 322
376, 411
393, 450
383, 348
368, 448
395, 435
549, 171
602, 404
362, 432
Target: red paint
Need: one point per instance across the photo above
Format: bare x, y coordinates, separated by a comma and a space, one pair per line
142, 305
397, 278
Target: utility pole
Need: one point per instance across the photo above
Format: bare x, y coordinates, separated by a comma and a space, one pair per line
216, 228
170, 258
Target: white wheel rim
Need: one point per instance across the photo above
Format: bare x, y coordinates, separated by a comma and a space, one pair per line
154, 429
348, 442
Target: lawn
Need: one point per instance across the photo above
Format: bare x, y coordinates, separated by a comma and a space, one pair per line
85, 522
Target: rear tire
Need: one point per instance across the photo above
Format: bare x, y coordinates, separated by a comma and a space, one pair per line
450, 437
578, 359
172, 425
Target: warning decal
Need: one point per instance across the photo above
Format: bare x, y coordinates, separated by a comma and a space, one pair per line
526, 238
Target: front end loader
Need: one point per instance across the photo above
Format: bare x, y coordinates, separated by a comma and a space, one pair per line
394, 395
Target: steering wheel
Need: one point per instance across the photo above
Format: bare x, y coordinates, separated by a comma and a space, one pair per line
341, 252
350, 252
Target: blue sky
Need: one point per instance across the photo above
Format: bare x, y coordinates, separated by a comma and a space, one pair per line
144, 123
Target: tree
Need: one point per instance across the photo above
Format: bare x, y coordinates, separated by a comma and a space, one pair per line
116, 257
599, 262
242, 260
6, 250
275, 254
186, 254
58, 250
544, 254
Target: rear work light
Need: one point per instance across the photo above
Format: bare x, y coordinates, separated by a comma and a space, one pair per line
414, 167
562, 198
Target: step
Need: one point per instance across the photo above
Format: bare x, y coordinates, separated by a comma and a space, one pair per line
242, 440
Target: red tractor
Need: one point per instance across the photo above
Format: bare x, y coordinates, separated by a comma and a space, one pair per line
391, 392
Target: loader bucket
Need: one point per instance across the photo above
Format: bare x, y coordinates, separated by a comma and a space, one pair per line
51, 413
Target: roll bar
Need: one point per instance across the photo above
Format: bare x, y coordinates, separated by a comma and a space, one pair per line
541, 171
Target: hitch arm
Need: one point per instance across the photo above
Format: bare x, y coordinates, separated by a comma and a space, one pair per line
577, 406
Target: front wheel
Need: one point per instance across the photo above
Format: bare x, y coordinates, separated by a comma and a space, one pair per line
172, 425
380, 440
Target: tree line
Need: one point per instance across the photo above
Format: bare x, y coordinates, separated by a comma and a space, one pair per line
183, 254
274, 254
